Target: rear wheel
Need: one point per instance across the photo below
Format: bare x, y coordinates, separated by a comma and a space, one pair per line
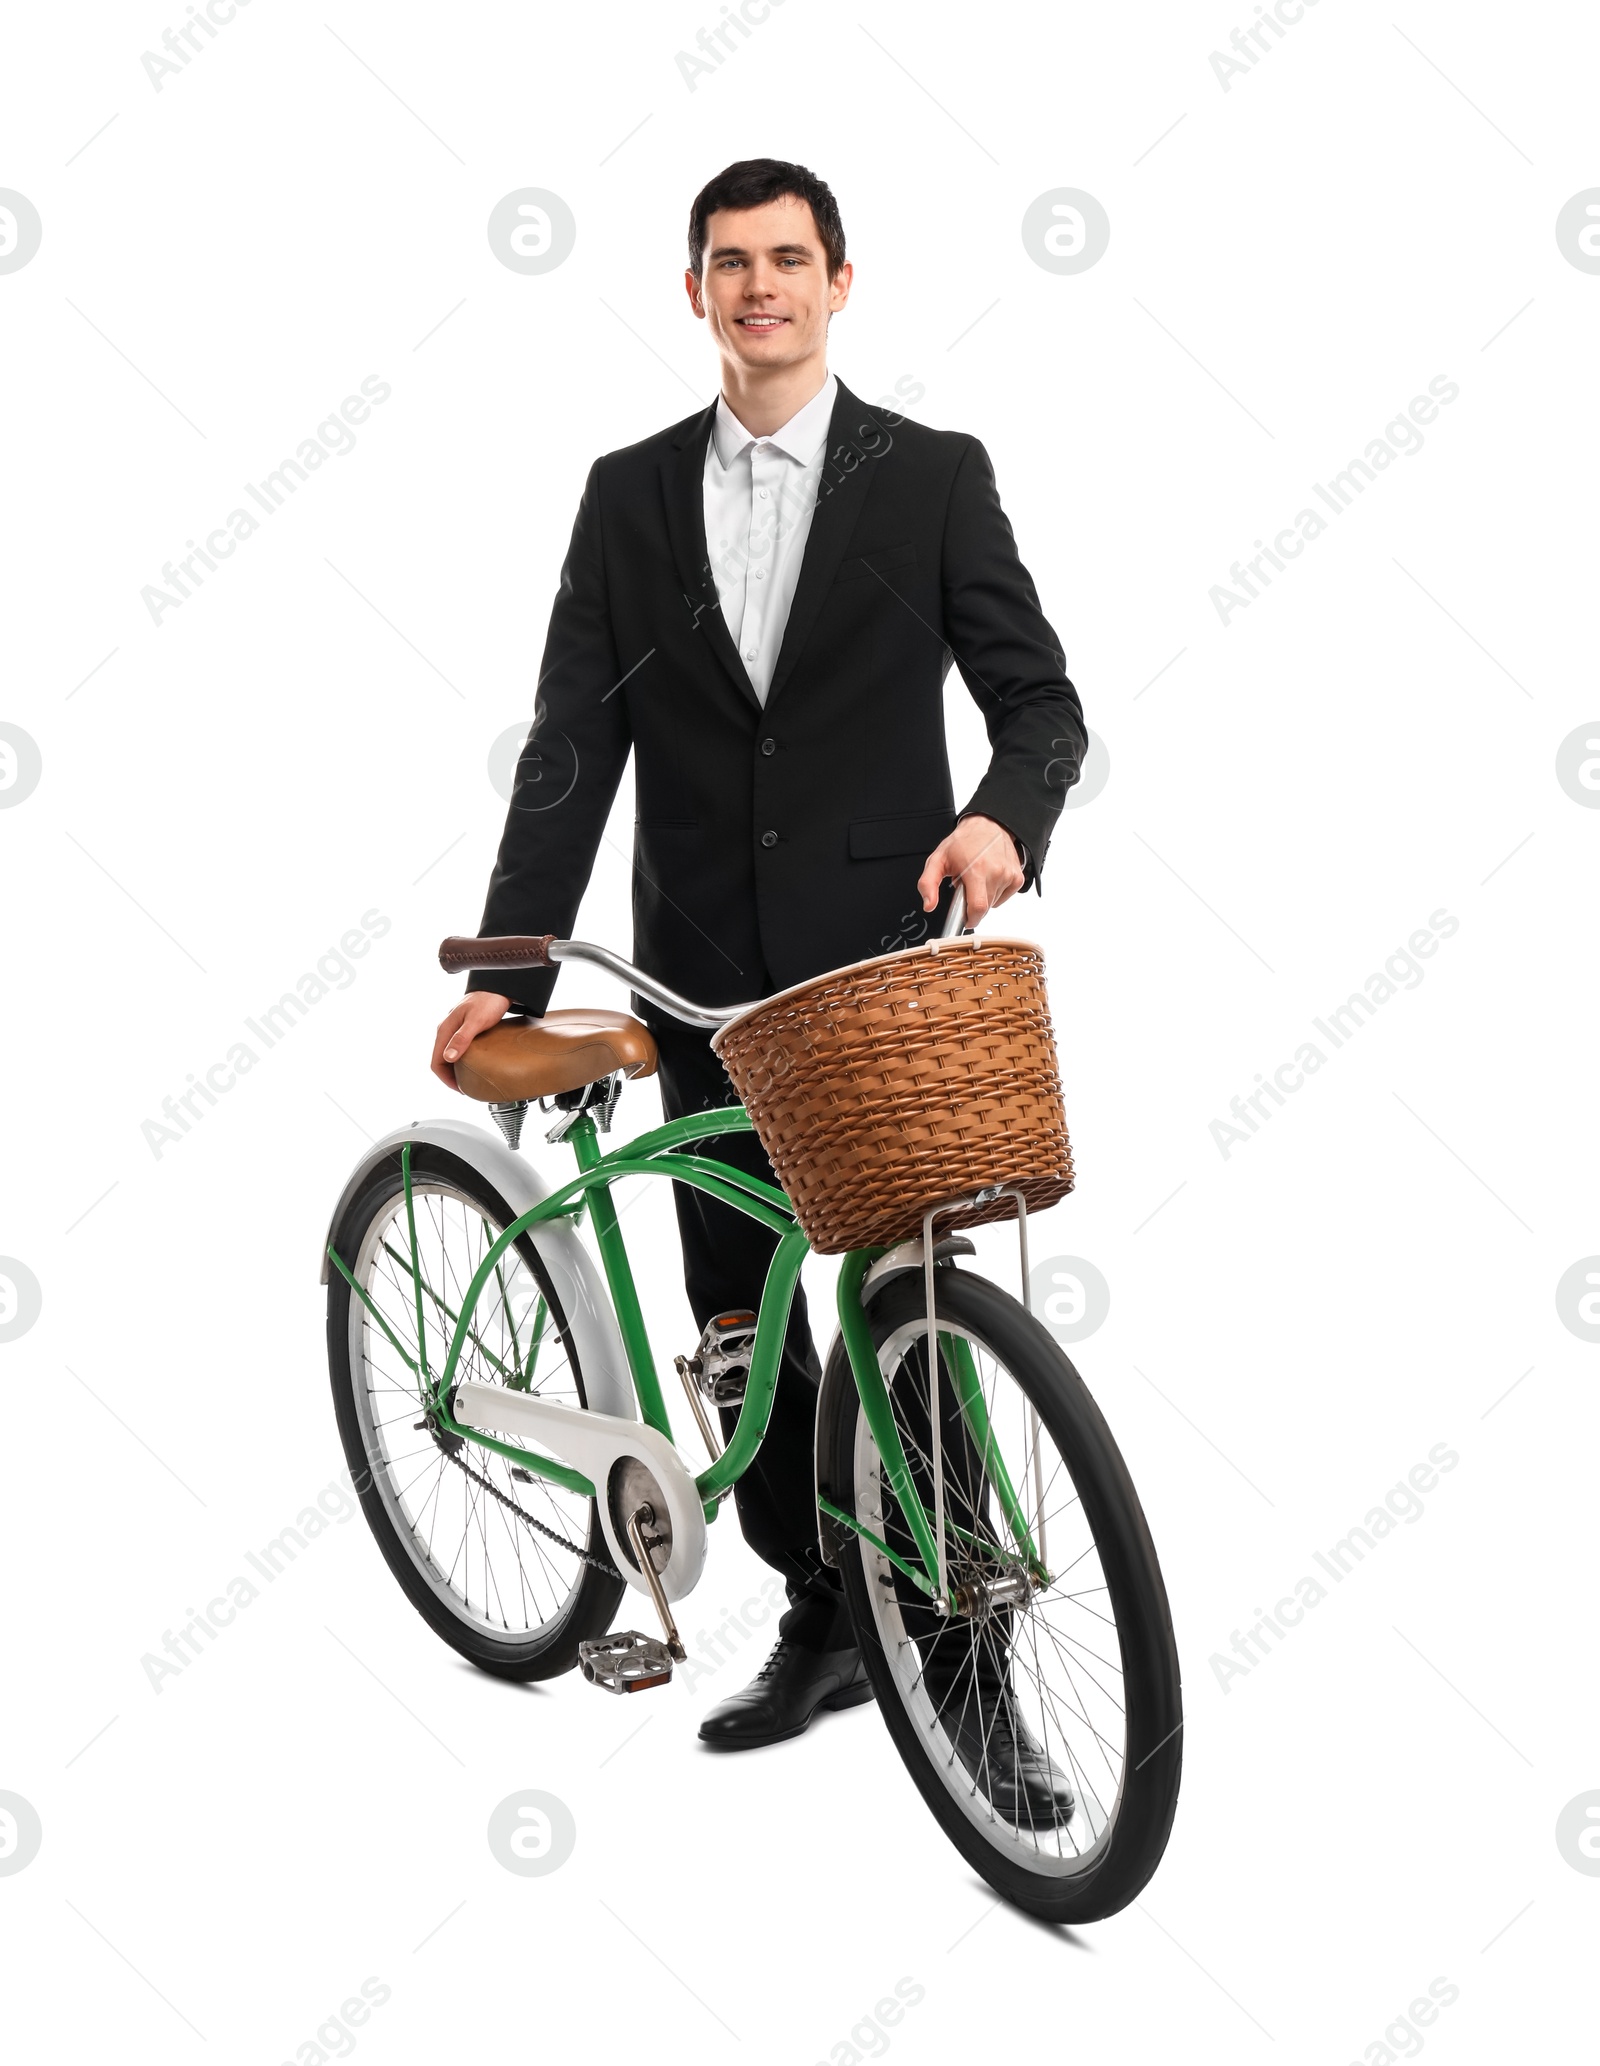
489, 1555
1042, 1723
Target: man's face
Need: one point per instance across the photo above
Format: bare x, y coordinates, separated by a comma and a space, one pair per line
765, 289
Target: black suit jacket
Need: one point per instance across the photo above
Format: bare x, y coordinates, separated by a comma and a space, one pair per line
773, 844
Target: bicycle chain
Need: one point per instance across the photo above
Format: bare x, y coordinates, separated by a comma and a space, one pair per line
584, 1556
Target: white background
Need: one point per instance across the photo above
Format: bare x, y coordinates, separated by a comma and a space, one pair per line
307, 738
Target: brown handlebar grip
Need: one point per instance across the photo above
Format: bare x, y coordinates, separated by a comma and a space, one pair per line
513, 950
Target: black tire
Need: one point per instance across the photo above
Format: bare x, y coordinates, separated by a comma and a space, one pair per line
538, 1652
1128, 1842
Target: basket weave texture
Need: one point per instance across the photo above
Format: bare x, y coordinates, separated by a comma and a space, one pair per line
893, 1085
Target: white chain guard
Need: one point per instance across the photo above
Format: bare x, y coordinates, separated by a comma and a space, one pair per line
595, 1443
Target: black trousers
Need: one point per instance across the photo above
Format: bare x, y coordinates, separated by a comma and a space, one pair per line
725, 1258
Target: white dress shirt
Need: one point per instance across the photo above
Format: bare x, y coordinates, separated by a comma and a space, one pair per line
759, 496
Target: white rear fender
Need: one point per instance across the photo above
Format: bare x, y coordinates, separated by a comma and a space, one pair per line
577, 1282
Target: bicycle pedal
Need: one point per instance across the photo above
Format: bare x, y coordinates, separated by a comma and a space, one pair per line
720, 1366
625, 1662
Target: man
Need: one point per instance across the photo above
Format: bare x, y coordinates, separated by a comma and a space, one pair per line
761, 604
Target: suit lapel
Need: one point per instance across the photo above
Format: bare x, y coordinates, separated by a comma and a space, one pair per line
683, 486
840, 498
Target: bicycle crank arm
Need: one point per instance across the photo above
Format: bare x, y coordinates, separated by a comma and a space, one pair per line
629, 1464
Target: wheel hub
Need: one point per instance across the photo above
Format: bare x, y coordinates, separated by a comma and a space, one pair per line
452, 1445
977, 1599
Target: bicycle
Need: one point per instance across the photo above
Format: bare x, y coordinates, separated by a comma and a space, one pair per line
506, 1429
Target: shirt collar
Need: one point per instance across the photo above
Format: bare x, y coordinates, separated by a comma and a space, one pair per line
801, 438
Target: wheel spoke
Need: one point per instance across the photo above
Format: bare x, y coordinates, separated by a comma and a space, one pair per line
495, 1574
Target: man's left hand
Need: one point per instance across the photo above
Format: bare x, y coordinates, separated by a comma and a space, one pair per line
982, 857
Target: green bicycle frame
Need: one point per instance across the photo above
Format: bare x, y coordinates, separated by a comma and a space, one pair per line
660, 1152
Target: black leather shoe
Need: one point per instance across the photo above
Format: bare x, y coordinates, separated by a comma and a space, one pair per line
1015, 1774
783, 1696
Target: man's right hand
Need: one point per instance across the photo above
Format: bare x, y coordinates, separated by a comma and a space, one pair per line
475, 1014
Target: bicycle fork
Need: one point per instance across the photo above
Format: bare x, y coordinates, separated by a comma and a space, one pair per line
930, 1534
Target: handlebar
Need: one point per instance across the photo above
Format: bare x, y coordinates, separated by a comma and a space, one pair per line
543, 950
509, 950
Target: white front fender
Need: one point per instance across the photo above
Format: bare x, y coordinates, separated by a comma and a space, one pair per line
608, 1386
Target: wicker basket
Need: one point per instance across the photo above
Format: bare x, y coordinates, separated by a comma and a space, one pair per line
895, 1084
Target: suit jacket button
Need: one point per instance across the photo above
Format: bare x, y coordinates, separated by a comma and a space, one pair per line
769, 746
769, 839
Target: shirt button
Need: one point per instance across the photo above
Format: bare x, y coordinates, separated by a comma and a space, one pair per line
763, 494
761, 573
752, 654
769, 746
769, 839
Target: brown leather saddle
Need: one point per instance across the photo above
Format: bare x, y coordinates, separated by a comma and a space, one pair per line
536, 1058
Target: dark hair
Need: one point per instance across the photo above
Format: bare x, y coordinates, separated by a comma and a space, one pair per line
751, 183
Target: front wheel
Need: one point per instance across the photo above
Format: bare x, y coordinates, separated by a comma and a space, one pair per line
1042, 1722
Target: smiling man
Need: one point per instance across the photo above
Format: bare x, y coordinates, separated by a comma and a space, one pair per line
761, 605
